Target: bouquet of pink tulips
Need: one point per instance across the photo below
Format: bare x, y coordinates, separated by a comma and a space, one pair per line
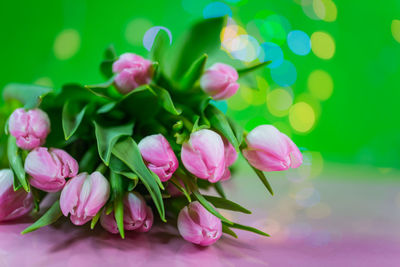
147, 141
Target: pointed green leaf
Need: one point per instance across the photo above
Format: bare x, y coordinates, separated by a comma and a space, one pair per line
250, 69
220, 190
246, 228
227, 230
110, 53
203, 201
203, 37
108, 137
237, 130
29, 95
165, 100
118, 193
223, 203
14, 157
119, 167
175, 181
263, 179
106, 68
51, 216
194, 73
161, 41
95, 219
220, 123
106, 108
72, 116
128, 152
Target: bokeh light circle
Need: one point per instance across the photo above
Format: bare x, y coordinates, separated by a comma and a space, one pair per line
285, 74
66, 44
245, 48
322, 45
150, 36
299, 42
253, 96
325, 10
320, 84
216, 9
302, 117
279, 102
396, 29
271, 52
135, 31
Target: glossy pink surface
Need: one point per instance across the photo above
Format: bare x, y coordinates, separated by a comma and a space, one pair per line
353, 221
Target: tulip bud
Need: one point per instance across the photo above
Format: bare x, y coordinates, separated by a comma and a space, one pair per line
133, 71
159, 156
204, 156
13, 204
49, 168
231, 156
137, 215
197, 225
83, 196
30, 128
219, 81
270, 150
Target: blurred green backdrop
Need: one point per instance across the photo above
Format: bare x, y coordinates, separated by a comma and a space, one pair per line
338, 100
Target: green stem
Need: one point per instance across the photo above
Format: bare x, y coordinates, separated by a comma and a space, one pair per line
101, 168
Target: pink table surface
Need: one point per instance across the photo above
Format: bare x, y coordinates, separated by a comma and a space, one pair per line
327, 221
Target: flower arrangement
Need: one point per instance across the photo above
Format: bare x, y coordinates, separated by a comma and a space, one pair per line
143, 142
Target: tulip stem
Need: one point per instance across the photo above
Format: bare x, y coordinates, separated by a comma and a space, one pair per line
101, 168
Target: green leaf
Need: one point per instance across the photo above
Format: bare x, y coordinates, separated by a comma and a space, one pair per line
95, 219
220, 190
119, 167
29, 95
227, 230
220, 123
72, 116
203, 37
16, 165
248, 70
106, 68
110, 53
108, 137
194, 73
51, 216
89, 160
263, 179
158, 49
226, 204
164, 98
203, 201
246, 228
128, 152
181, 188
237, 130
106, 108
118, 193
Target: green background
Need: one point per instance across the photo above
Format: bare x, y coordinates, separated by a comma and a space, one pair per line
357, 124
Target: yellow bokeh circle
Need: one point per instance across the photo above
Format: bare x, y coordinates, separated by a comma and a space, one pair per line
320, 84
279, 102
135, 31
323, 45
66, 44
396, 29
325, 10
302, 117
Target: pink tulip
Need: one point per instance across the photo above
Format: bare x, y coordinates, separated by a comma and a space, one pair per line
137, 215
231, 156
204, 156
159, 156
49, 168
13, 204
197, 225
83, 196
270, 150
219, 81
30, 128
133, 71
